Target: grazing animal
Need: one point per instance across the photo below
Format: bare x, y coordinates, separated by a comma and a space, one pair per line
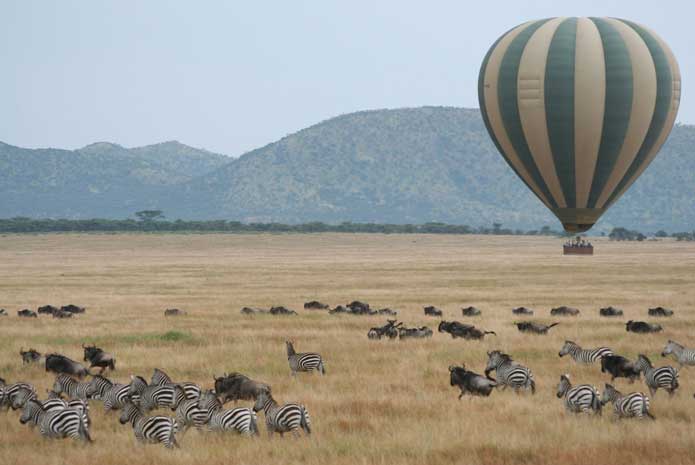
535, 328
58, 423
70, 387
390, 330
470, 382
26, 313
47, 310
315, 305
580, 355
282, 418
683, 355
387, 311
238, 387
61, 364
240, 420
642, 327
421, 332
508, 372
154, 430
522, 311
433, 311
174, 312
70, 308
660, 311
98, 358
29, 356
252, 311
303, 361
633, 405
564, 311
160, 378
581, 398
610, 311
61, 314
280, 310
471, 311
360, 308
619, 367
665, 377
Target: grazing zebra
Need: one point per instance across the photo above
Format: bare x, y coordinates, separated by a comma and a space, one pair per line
188, 414
70, 386
683, 356
582, 398
663, 377
150, 429
154, 396
58, 423
160, 378
509, 373
631, 405
9, 391
304, 361
580, 355
242, 420
282, 418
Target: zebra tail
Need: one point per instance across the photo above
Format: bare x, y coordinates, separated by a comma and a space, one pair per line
532, 383
322, 368
304, 421
83, 431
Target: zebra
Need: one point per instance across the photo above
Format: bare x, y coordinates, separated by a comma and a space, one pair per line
56, 402
665, 377
242, 420
21, 396
282, 418
305, 361
684, 356
58, 423
160, 378
580, 355
150, 429
634, 404
581, 398
98, 386
136, 386
509, 373
116, 397
72, 388
154, 396
188, 414
10, 390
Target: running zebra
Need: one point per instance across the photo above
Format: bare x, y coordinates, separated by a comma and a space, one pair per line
683, 356
509, 373
98, 387
136, 386
70, 387
10, 390
631, 405
579, 399
20, 397
665, 377
580, 355
157, 429
282, 418
188, 414
305, 361
160, 378
154, 396
56, 402
116, 397
242, 420
59, 423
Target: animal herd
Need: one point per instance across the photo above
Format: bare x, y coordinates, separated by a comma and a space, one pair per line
66, 311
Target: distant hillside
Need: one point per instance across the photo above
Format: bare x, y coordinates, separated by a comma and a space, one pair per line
388, 166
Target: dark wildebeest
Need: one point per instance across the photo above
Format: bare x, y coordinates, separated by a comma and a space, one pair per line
98, 358
26, 313
252, 310
390, 330
29, 356
72, 308
47, 310
280, 310
642, 327
471, 311
62, 314
421, 332
610, 311
470, 382
457, 329
236, 386
338, 309
315, 305
522, 311
619, 367
61, 364
433, 311
174, 312
387, 311
535, 328
360, 308
660, 311
564, 311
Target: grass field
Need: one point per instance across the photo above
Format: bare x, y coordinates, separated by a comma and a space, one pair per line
384, 402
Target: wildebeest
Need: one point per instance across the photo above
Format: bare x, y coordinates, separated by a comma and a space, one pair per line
280, 310
660, 311
433, 311
564, 311
465, 331
610, 311
387, 311
471, 311
47, 310
338, 309
535, 328
72, 308
619, 367
26, 313
62, 314
390, 330
98, 358
29, 356
236, 386
315, 305
174, 312
252, 310
470, 382
360, 308
642, 327
522, 311
61, 364
421, 332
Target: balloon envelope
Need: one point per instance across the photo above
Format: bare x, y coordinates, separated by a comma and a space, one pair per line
579, 107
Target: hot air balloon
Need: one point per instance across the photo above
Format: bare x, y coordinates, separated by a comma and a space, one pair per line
579, 107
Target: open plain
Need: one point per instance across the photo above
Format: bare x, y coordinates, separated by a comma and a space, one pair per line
382, 401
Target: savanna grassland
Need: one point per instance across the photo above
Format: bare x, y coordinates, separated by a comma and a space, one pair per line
384, 402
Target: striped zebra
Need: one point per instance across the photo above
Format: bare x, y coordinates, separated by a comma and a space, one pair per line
665, 377
70, 387
580, 355
242, 420
98, 386
631, 405
56, 402
158, 429
116, 397
10, 390
188, 414
154, 396
58, 423
160, 378
304, 361
684, 356
136, 386
509, 373
579, 399
282, 418
21, 396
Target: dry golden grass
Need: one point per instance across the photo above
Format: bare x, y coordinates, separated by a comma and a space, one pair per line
381, 401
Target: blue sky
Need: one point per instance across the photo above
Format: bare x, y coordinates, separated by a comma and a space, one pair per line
232, 76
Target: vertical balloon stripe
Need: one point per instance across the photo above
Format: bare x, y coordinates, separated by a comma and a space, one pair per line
509, 105
618, 105
559, 105
589, 101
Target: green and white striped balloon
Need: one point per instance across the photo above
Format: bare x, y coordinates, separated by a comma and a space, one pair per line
579, 107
